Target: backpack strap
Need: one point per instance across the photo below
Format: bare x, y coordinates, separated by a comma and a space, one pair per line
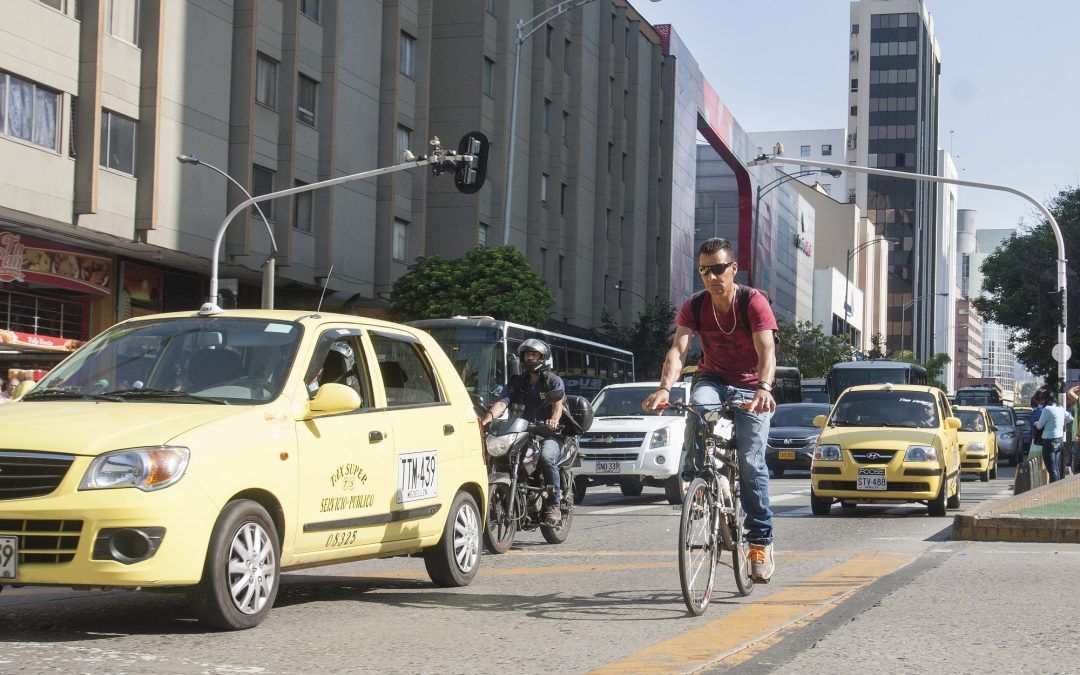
744, 305
696, 303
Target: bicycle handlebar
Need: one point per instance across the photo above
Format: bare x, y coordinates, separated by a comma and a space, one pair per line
726, 406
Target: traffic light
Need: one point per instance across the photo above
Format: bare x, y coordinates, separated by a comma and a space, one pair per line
470, 176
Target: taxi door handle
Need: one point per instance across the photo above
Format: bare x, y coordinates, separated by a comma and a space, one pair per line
447, 429
375, 436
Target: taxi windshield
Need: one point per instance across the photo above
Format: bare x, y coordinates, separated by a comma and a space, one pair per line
620, 401
910, 409
215, 360
970, 420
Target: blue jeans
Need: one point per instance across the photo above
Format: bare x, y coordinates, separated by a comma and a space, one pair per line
1052, 457
751, 434
550, 453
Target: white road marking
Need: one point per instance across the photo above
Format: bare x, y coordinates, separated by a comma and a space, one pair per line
628, 509
789, 496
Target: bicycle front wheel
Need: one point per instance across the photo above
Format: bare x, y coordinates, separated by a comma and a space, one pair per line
698, 546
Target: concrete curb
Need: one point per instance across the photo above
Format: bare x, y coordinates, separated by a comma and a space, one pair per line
1016, 529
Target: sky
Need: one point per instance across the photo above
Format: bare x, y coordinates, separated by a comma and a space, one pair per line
1010, 87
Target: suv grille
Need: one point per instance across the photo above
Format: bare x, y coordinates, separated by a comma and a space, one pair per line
627, 456
872, 456
617, 439
31, 474
785, 443
44, 541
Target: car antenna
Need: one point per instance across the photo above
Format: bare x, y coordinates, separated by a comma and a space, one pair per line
324, 284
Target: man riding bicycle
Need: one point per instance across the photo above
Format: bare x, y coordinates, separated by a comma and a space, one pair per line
738, 361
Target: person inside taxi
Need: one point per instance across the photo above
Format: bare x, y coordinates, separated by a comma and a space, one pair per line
537, 395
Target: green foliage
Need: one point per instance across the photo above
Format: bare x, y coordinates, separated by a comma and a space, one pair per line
494, 282
1027, 390
1019, 275
805, 346
877, 347
935, 366
649, 338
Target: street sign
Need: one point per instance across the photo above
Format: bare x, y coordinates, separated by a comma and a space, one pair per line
1057, 353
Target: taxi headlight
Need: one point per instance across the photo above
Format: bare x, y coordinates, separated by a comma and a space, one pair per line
660, 437
497, 446
827, 453
148, 469
920, 453
976, 447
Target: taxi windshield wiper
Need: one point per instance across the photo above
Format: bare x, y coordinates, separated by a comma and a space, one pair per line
68, 395
129, 394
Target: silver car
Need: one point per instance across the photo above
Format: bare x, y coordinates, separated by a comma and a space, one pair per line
1008, 434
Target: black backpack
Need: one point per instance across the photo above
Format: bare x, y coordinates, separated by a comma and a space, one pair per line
697, 301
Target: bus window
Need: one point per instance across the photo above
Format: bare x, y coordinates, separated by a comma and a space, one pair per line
787, 386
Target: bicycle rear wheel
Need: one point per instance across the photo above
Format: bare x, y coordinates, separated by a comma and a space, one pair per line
698, 546
740, 556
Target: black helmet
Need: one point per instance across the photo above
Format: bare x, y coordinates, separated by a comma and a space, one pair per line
541, 348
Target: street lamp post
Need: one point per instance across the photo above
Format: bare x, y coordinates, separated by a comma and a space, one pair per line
1062, 348
847, 271
765, 189
524, 29
620, 288
903, 316
269, 265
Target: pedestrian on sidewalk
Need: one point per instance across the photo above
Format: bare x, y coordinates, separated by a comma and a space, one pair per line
1072, 400
1052, 421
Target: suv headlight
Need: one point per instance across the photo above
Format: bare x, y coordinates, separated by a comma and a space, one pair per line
660, 437
920, 453
976, 447
497, 446
148, 469
827, 453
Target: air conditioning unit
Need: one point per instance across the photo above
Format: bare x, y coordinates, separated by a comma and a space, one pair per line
854, 54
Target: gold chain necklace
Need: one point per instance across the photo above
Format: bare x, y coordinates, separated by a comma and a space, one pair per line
734, 316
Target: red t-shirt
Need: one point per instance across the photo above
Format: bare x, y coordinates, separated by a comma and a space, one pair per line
731, 357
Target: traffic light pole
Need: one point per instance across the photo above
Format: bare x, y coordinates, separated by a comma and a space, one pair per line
1062, 347
470, 168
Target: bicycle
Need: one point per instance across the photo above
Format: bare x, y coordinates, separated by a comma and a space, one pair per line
712, 515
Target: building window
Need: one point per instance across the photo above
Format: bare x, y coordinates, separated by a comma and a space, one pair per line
310, 9
73, 127
804, 151
548, 36
58, 5
29, 111
306, 97
624, 163
401, 239
543, 189
562, 267
826, 150
854, 29
408, 48
566, 57
262, 183
266, 70
491, 7
302, 210
122, 20
565, 128
489, 76
547, 116
854, 110
117, 142
402, 142
482, 235
855, 84
563, 189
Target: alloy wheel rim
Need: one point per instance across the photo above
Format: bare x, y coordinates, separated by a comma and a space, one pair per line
252, 569
466, 538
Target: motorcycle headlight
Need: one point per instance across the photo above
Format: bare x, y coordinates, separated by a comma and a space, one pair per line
827, 453
660, 437
976, 447
920, 453
497, 446
148, 469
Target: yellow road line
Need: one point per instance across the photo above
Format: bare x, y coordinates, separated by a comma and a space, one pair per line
757, 621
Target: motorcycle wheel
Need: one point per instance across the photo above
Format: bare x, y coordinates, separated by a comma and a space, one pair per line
556, 534
500, 528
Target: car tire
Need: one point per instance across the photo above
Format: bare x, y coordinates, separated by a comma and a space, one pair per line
243, 526
631, 487
993, 468
674, 489
455, 559
820, 506
777, 471
935, 508
985, 475
953, 502
581, 486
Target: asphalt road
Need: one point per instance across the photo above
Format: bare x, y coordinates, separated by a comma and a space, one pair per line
877, 587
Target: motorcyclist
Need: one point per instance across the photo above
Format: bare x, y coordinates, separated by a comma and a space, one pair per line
537, 395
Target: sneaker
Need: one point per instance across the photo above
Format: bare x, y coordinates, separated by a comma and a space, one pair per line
761, 563
552, 515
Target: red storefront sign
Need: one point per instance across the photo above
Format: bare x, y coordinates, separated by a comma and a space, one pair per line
50, 343
30, 260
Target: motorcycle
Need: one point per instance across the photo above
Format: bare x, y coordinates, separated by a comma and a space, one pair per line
518, 489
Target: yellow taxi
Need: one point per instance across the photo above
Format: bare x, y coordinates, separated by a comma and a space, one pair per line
214, 451
886, 443
978, 442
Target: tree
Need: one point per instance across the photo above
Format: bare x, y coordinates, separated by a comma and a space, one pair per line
649, 338
877, 347
806, 347
1019, 278
935, 366
494, 282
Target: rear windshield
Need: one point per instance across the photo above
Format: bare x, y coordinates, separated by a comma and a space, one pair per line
799, 416
914, 410
1001, 417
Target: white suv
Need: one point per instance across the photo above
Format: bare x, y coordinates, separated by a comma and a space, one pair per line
629, 447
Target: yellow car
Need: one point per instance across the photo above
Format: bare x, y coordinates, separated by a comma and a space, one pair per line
887, 443
215, 451
978, 442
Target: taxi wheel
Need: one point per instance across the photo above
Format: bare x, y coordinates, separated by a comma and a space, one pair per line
455, 559
954, 501
936, 506
820, 506
242, 572
985, 475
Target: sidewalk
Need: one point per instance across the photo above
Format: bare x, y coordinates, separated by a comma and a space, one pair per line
1050, 513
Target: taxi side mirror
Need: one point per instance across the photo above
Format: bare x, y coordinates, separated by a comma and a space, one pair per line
820, 420
23, 389
952, 423
332, 399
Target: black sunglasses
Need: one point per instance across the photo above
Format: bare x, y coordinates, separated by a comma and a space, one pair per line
717, 269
